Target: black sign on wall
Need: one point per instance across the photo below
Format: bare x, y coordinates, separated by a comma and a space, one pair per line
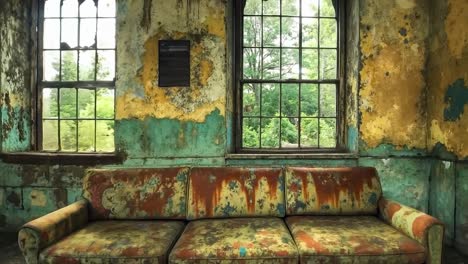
174, 63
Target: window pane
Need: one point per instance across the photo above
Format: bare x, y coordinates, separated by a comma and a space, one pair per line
328, 33
106, 33
290, 7
290, 64
252, 63
87, 65
105, 136
270, 100
309, 100
69, 65
289, 133
86, 135
106, 8
270, 132
328, 64
328, 133
271, 29
50, 135
271, 64
105, 103
326, 8
290, 100
328, 100
52, 8
253, 7
106, 65
290, 32
49, 103
88, 33
88, 9
51, 38
67, 103
68, 135
310, 64
310, 8
86, 103
252, 32
309, 133
70, 8
309, 32
251, 100
69, 33
271, 7
250, 133
51, 67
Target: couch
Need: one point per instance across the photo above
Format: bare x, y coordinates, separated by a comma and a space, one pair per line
233, 215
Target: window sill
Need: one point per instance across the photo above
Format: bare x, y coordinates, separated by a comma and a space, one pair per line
90, 159
282, 156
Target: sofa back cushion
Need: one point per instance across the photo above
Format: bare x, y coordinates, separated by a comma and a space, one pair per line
137, 193
235, 192
332, 191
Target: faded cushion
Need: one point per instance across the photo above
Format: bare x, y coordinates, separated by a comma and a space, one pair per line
239, 240
116, 242
235, 192
332, 191
136, 193
352, 239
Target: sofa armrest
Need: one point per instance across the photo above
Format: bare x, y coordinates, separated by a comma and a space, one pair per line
44, 231
422, 227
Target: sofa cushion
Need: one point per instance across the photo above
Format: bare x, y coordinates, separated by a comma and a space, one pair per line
235, 192
136, 193
352, 239
116, 242
332, 191
237, 240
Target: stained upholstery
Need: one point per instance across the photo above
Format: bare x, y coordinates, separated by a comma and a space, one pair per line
235, 192
137, 193
332, 191
235, 240
116, 242
352, 239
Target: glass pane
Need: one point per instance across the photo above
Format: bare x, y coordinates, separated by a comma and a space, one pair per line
271, 29
271, 64
86, 103
290, 7
290, 32
270, 132
328, 133
50, 135
309, 133
86, 136
49, 103
68, 135
70, 8
253, 7
328, 100
69, 33
69, 68
271, 7
309, 32
252, 32
328, 33
250, 135
106, 65
88, 33
105, 103
328, 64
87, 65
309, 100
310, 8
52, 8
67, 103
290, 64
106, 8
105, 136
51, 38
51, 65
289, 133
290, 100
310, 64
252, 63
88, 9
326, 8
270, 100
106, 33
251, 99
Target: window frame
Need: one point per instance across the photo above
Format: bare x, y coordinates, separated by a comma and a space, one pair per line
340, 84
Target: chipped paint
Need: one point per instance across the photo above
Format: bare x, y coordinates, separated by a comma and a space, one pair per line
38, 198
456, 98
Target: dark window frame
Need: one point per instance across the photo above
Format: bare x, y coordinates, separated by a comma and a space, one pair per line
340, 82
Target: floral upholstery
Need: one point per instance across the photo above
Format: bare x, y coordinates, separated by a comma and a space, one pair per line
235, 240
332, 191
352, 239
235, 192
116, 242
137, 193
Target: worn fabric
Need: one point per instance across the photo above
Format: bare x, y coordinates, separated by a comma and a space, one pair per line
137, 193
332, 191
235, 192
116, 242
236, 240
46, 230
422, 227
352, 239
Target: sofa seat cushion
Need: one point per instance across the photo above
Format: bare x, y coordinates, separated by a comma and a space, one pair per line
236, 240
352, 239
116, 242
